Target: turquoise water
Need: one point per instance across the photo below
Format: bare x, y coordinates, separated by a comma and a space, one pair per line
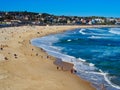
95, 53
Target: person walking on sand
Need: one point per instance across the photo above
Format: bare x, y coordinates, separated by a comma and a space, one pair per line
57, 67
72, 70
102, 87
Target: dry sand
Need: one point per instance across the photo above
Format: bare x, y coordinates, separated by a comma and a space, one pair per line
25, 67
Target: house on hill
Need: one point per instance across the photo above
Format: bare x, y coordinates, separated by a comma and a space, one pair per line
118, 22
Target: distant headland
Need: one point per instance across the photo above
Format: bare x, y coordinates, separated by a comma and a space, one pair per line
14, 18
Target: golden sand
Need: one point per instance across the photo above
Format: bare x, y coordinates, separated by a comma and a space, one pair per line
25, 67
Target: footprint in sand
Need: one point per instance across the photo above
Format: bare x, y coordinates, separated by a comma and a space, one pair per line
1, 57
3, 74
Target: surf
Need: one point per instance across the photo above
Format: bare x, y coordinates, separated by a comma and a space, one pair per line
85, 69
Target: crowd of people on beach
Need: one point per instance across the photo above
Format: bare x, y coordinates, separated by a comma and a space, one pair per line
36, 54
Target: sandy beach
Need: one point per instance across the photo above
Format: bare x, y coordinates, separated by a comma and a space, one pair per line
25, 67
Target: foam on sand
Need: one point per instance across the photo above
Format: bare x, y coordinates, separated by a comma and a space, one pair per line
32, 69
84, 69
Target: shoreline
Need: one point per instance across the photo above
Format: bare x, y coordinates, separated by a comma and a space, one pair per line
23, 66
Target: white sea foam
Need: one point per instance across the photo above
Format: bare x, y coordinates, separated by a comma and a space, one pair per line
46, 40
82, 31
56, 48
84, 69
81, 59
115, 31
69, 40
91, 64
95, 37
113, 85
52, 51
95, 29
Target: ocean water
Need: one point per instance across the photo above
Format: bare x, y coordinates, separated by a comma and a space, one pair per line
95, 53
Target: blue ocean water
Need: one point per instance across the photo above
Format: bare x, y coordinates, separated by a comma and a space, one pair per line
95, 53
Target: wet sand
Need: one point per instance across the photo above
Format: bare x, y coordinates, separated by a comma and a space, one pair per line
25, 67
